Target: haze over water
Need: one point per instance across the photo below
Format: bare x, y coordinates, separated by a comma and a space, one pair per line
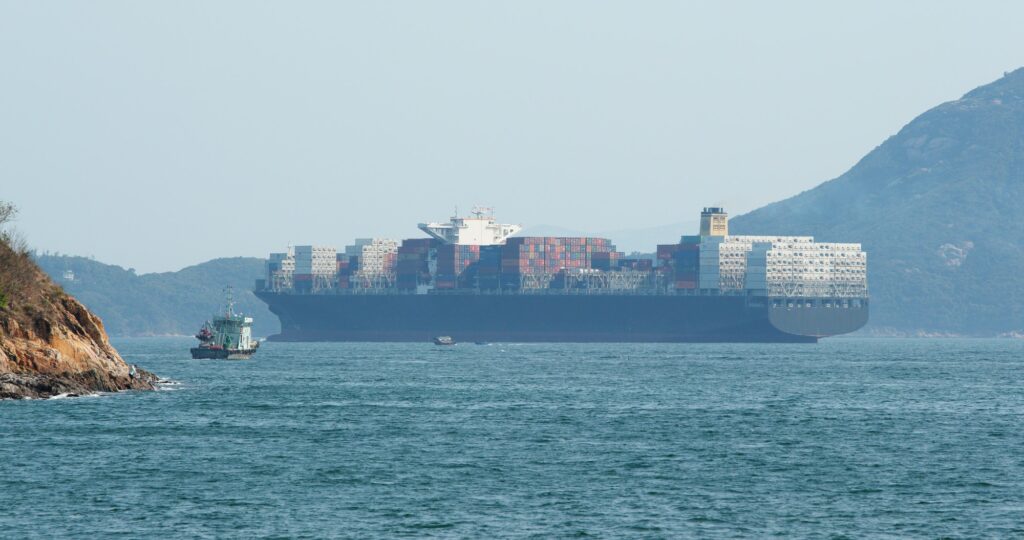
904, 438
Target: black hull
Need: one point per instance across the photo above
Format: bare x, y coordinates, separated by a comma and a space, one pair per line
557, 318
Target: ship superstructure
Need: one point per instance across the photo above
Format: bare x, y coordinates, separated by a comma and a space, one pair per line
495, 287
480, 229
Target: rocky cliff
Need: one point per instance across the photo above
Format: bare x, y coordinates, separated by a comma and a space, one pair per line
49, 343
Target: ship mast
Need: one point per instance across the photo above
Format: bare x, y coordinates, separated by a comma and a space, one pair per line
229, 300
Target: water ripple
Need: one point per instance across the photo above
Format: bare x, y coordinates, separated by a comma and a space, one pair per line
846, 439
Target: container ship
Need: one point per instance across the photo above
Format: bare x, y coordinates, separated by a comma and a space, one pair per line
472, 279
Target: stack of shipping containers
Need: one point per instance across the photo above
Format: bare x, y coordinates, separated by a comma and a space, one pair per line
280, 270
488, 268
760, 265
606, 261
543, 257
686, 262
315, 268
805, 269
666, 270
723, 259
346, 265
456, 264
376, 259
679, 264
413, 266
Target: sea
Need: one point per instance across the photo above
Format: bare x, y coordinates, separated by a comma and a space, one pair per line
849, 438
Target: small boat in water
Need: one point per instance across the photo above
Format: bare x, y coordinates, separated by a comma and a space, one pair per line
227, 337
444, 340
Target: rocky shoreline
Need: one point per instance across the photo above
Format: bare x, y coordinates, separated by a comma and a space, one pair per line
39, 386
50, 344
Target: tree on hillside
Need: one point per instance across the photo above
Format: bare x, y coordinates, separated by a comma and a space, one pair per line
16, 266
10, 238
7, 212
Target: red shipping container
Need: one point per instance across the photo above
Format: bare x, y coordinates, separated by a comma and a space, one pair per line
665, 251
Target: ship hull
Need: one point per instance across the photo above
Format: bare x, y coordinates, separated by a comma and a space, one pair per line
203, 353
557, 318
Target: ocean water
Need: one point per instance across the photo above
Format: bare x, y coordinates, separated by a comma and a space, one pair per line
848, 438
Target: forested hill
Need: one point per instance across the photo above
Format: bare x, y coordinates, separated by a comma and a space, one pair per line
939, 208
167, 303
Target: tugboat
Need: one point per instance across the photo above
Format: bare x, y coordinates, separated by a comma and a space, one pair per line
444, 340
228, 337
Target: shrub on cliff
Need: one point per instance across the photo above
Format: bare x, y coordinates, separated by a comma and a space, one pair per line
26, 293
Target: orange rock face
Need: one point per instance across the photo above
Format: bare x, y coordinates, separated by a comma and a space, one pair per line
51, 344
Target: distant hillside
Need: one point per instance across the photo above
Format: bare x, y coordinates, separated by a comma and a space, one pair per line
938, 207
165, 303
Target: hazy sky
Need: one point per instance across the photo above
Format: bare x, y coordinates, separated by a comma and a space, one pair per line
160, 134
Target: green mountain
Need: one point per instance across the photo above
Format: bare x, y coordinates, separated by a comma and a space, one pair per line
938, 207
168, 303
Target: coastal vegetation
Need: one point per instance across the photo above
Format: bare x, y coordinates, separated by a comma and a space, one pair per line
16, 268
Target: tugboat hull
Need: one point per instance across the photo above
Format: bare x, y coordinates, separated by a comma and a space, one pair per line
199, 353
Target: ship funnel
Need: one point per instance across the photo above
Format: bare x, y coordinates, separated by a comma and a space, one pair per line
714, 221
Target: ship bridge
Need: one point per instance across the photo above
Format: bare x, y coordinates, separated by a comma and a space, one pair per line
480, 229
